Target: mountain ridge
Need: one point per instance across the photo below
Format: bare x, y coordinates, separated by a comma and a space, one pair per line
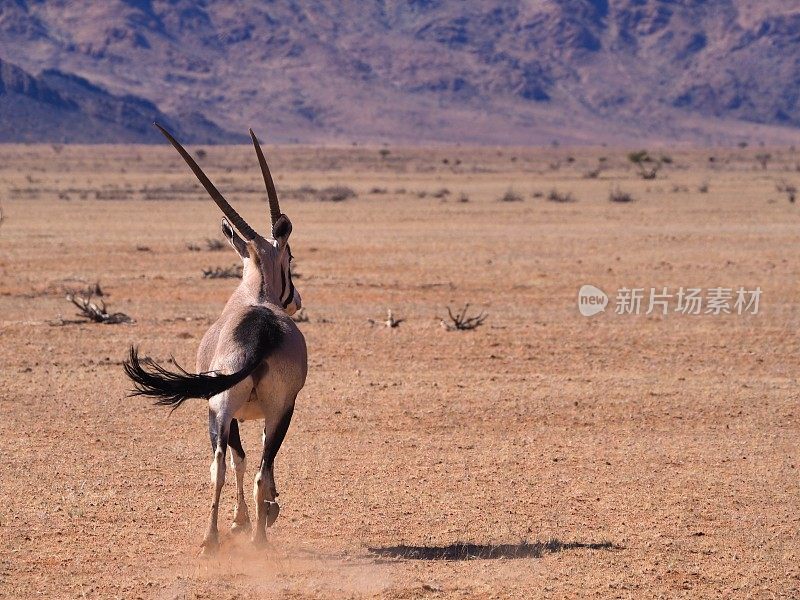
61, 107
572, 71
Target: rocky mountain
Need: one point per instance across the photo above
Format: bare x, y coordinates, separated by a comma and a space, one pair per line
494, 71
60, 107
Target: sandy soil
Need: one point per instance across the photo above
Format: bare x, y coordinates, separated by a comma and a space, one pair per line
616, 456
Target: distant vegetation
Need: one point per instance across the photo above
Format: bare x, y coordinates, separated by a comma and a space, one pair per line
617, 195
97, 312
789, 189
595, 173
459, 321
336, 193
556, 196
332, 193
511, 196
232, 272
648, 166
763, 159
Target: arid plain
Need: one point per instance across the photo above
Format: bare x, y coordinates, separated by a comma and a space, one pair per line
544, 454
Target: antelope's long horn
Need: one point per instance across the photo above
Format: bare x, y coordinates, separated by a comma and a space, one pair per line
274, 207
226, 208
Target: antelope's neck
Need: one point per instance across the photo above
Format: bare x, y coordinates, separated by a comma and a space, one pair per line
258, 290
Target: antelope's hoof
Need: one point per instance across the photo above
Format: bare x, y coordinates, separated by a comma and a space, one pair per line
243, 527
273, 510
259, 539
209, 545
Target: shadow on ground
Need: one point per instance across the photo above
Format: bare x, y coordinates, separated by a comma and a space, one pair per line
464, 551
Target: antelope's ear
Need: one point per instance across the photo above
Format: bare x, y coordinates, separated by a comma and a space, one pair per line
234, 239
281, 230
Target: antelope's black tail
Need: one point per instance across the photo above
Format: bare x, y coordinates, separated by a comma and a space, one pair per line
257, 335
174, 388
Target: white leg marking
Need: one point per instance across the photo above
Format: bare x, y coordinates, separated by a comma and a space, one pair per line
211, 540
241, 517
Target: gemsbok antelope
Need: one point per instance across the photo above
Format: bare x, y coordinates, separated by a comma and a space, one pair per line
251, 364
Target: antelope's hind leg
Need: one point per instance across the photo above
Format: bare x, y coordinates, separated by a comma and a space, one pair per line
241, 518
218, 431
264, 490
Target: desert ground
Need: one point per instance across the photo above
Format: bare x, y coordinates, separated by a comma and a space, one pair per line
544, 454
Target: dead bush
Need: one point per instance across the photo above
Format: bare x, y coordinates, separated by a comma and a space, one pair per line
787, 188
556, 196
602, 165
232, 272
648, 166
301, 316
461, 322
89, 291
306, 190
618, 195
215, 245
97, 313
763, 159
336, 193
390, 321
511, 196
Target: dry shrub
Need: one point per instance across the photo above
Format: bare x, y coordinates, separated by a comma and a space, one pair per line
556, 196
306, 190
618, 195
232, 272
215, 245
648, 166
461, 322
595, 173
391, 322
763, 159
97, 313
336, 193
301, 316
511, 196
787, 188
